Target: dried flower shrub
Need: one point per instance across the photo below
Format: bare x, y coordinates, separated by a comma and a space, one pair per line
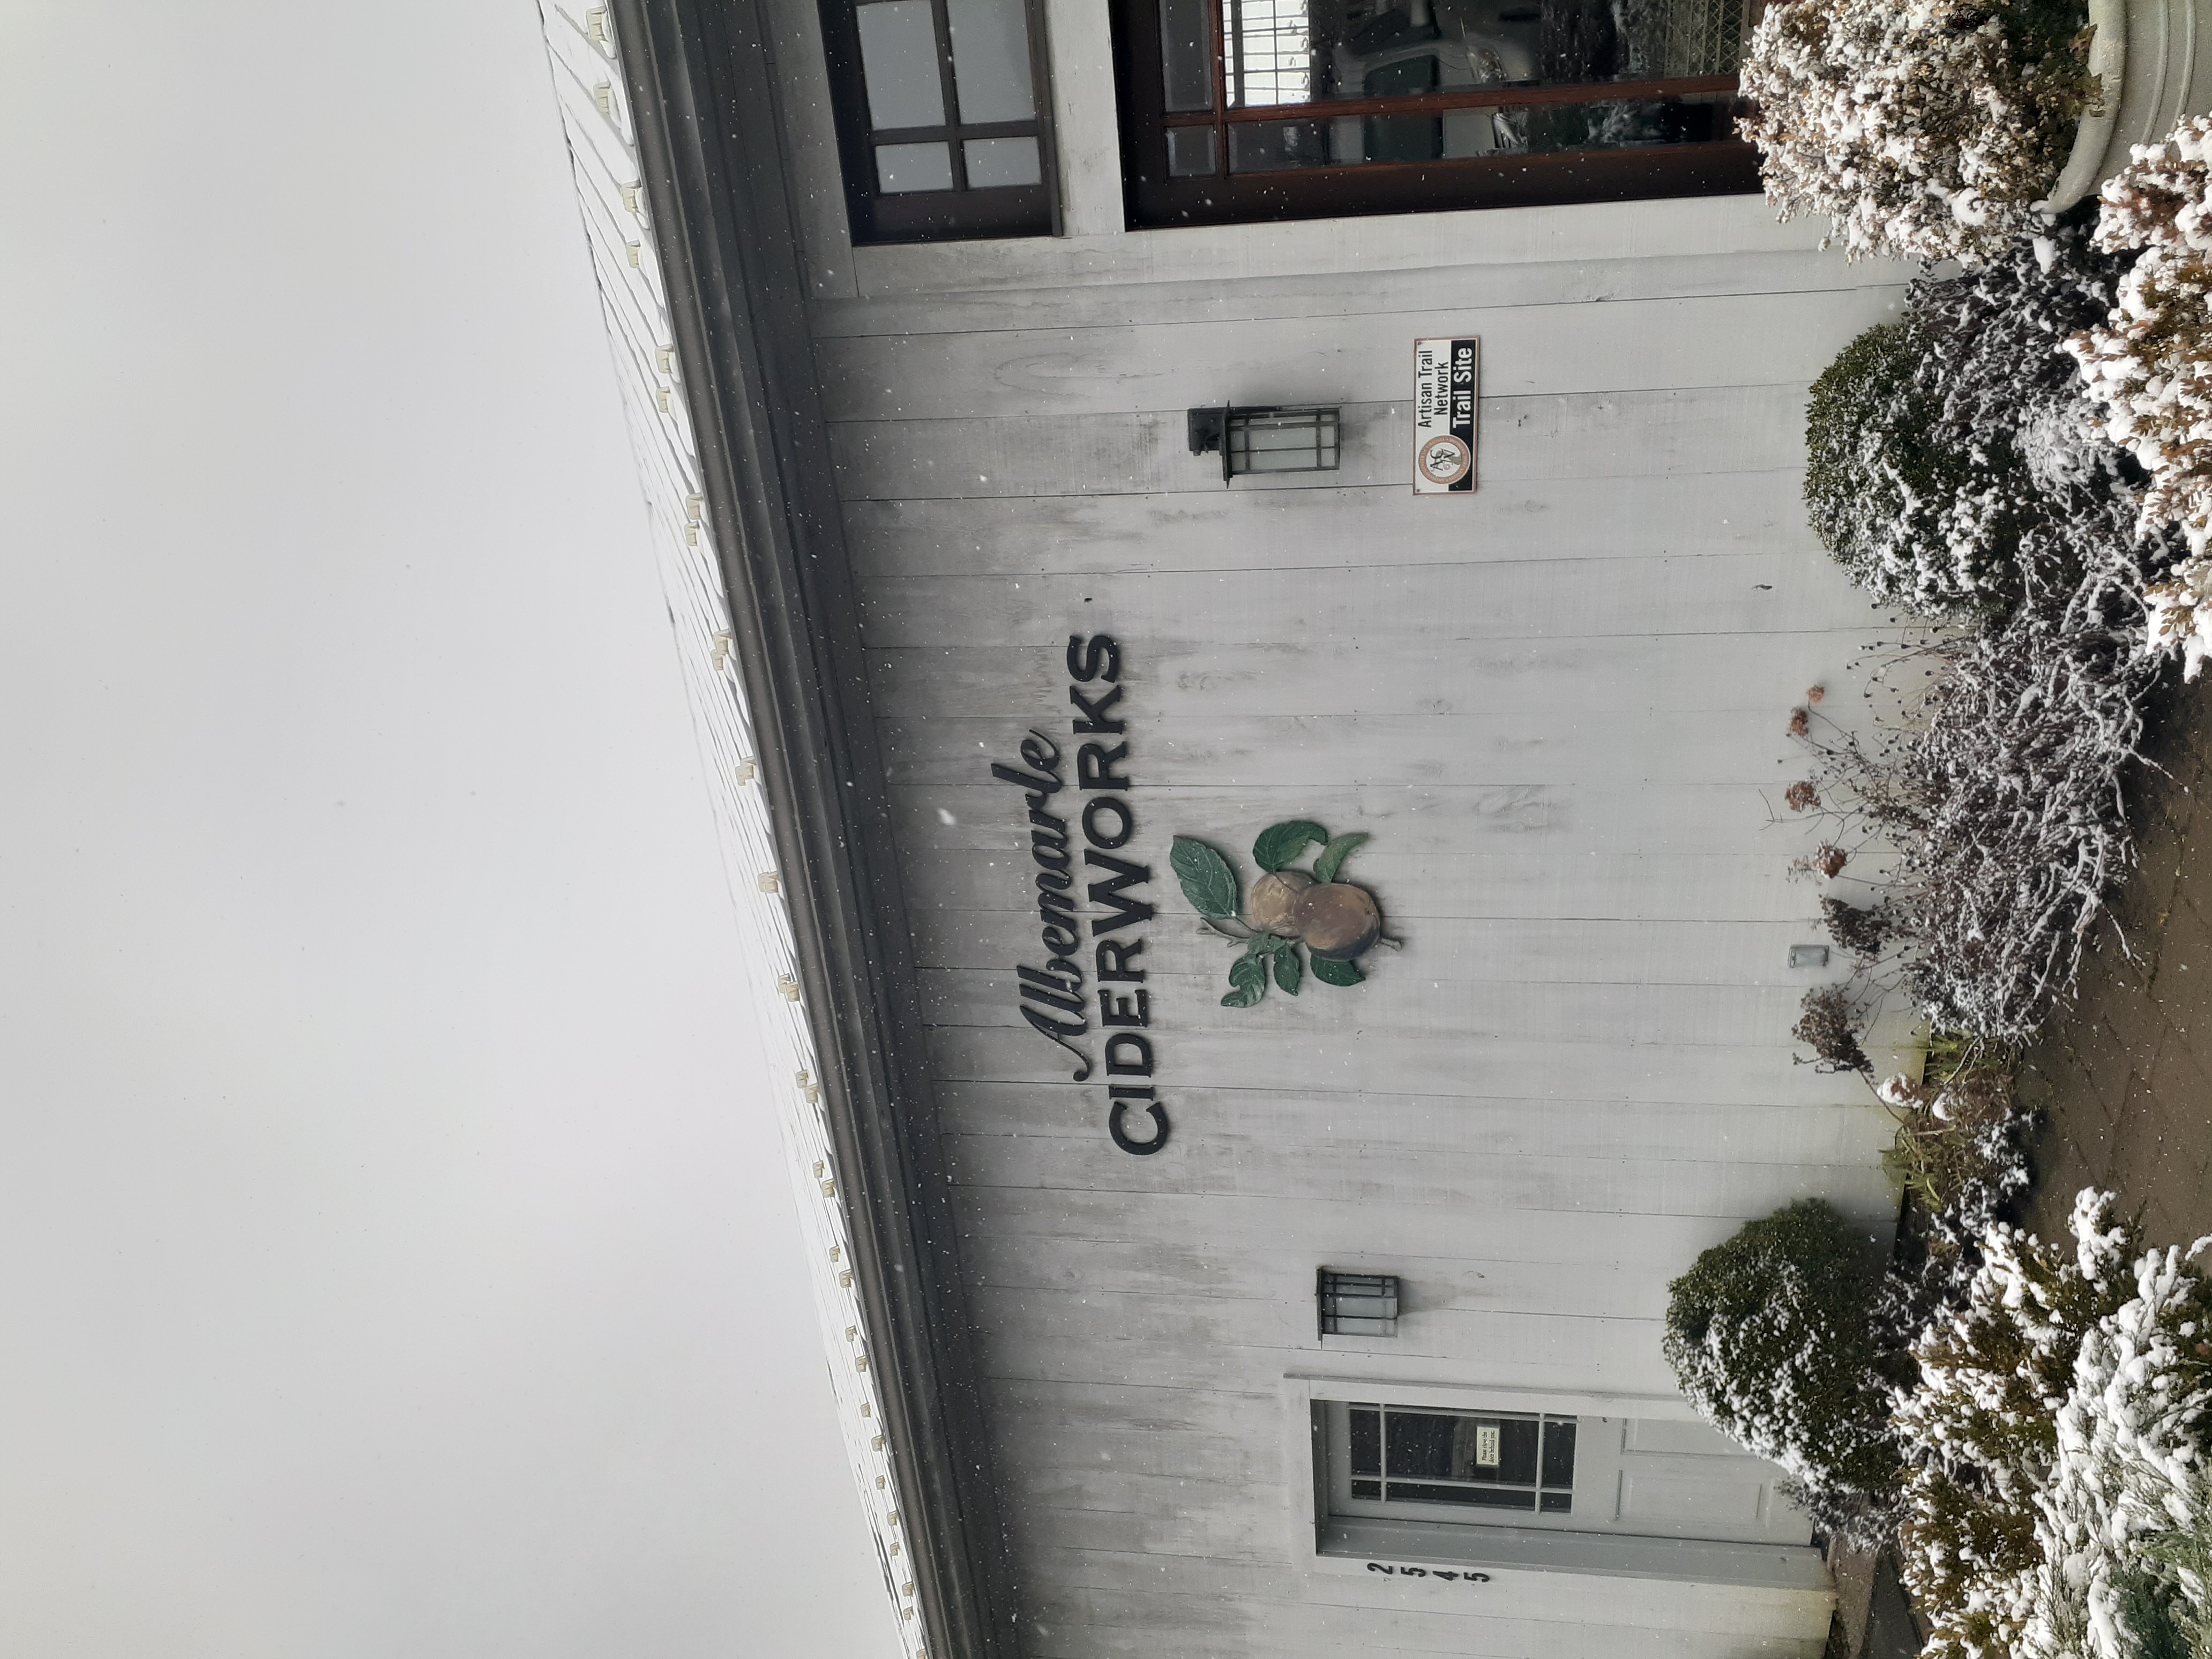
1829, 1026
1923, 130
2002, 791
1865, 932
1801, 795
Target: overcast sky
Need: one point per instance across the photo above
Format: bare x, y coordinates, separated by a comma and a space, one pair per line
394, 1257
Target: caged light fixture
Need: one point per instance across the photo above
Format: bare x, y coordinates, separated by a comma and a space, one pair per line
1266, 439
1356, 1305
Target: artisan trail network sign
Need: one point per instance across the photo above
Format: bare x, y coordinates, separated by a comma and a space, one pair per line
1447, 389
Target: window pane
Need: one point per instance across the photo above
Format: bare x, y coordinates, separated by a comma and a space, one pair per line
1366, 1440
898, 56
993, 163
900, 167
991, 61
1481, 1498
1190, 153
1367, 1489
1440, 1447
1559, 1452
1559, 1503
1271, 146
1295, 51
1300, 441
1269, 52
1186, 55
1509, 130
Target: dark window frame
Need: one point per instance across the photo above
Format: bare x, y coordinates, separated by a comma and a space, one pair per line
1155, 200
959, 214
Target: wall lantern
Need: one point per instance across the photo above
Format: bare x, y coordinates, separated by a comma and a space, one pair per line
1269, 439
1357, 1305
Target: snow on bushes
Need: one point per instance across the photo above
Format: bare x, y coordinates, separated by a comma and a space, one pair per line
1981, 1425
2001, 788
1924, 129
2052, 1438
1771, 1335
1915, 519
1952, 467
1934, 442
1958, 1152
2148, 364
2128, 1467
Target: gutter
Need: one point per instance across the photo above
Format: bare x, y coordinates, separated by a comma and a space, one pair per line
672, 121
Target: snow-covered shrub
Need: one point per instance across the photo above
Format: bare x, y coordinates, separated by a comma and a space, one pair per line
2128, 1465
1770, 1337
1958, 1153
2055, 1500
1981, 1426
1923, 129
2180, 614
2002, 789
2149, 363
1934, 442
1917, 517
1996, 362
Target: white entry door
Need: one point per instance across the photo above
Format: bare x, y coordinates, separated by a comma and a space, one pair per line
1665, 1480
1641, 1476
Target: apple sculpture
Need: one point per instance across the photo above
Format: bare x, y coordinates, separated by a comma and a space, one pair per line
1334, 922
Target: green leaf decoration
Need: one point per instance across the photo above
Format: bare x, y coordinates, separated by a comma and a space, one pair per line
1207, 881
1334, 855
1248, 980
1329, 971
1279, 843
1288, 969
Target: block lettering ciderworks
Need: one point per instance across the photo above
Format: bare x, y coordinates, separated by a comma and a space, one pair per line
1079, 822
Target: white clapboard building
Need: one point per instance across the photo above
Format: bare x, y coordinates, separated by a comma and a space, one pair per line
1057, 420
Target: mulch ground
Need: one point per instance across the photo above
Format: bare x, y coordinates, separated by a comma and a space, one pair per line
2122, 1079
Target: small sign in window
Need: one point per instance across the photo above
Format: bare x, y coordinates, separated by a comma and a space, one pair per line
1485, 1445
1447, 386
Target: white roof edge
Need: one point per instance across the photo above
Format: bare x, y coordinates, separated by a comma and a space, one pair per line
595, 116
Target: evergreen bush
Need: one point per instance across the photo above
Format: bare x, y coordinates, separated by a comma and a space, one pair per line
1935, 443
1915, 516
1771, 1337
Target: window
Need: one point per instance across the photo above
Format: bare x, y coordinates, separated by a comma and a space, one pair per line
1262, 109
1403, 1461
941, 117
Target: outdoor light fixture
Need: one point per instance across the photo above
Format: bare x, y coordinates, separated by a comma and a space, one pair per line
1357, 1305
1266, 439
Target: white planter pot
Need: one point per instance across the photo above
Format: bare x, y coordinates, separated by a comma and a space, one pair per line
2154, 59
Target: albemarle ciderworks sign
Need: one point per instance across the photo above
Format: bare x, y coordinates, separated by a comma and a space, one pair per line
1056, 998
